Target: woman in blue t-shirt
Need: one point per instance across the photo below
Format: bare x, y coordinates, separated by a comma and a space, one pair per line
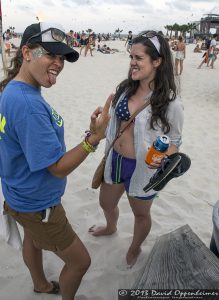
34, 162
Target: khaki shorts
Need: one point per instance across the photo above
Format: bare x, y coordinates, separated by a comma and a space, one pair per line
55, 234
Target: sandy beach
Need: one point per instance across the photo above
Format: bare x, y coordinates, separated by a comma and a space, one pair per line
80, 88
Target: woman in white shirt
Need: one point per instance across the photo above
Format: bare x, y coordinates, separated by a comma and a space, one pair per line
151, 76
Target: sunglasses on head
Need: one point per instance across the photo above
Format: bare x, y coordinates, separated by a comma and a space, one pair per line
153, 37
148, 34
56, 34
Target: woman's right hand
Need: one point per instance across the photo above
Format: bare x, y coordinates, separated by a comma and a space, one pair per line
99, 121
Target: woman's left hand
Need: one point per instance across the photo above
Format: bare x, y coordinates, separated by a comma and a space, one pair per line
156, 163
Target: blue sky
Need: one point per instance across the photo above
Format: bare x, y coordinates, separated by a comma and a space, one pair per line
105, 16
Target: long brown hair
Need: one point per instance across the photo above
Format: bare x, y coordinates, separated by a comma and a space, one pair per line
164, 85
14, 67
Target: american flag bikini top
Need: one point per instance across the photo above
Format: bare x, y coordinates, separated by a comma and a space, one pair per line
122, 110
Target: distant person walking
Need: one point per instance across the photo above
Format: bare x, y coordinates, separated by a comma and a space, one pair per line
70, 38
212, 51
210, 55
129, 42
180, 49
205, 60
90, 44
83, 42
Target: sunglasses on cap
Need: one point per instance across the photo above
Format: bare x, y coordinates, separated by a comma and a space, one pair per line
153, 37
57, 34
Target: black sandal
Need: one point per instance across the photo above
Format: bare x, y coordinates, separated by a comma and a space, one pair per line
173, 166
55, 290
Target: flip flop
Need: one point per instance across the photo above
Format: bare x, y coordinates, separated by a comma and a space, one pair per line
173, 166
55, 289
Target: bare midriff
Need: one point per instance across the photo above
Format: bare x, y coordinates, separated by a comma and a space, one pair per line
125, 143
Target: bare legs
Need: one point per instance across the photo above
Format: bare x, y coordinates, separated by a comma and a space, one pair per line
178, 65
77, 261
81, 48
181, 67
212, 61
109, 198
86, 50
199, 67
142, 227
209, 62
33, 259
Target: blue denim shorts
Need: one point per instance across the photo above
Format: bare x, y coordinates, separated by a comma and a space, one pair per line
122, 170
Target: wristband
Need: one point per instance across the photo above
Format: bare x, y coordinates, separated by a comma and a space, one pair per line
87, 147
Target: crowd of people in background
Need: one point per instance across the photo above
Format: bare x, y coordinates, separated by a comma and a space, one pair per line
206, 44
89, 41
86, 41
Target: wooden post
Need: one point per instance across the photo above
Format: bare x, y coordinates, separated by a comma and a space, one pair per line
180, 260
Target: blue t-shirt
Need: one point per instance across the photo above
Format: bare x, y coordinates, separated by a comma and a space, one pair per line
31, 139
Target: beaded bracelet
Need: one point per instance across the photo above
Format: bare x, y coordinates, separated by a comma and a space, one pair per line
87, 134
86, 145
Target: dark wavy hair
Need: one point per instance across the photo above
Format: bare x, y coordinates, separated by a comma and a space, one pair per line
164, 88
14, 67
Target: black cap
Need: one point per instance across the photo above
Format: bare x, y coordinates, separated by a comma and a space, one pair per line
47, 41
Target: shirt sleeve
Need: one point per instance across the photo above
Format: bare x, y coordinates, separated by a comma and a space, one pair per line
213, 43
176, 120
39, 141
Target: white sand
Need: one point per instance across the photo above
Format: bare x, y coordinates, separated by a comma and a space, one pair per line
187, 200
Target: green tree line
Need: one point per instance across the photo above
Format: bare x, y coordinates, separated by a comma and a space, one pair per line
176, 29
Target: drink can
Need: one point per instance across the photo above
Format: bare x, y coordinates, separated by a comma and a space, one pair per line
157, 149
162, 143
